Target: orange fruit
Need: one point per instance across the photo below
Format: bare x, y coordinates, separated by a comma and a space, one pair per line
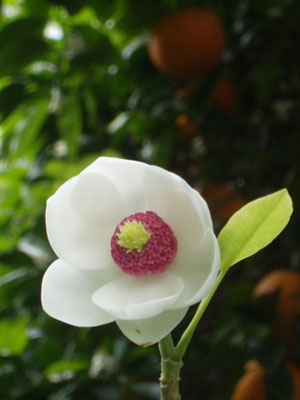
223, 200
224, 96
288, 305
252, 387
188, 42
185, 126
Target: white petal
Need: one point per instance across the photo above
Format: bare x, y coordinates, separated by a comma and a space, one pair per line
174, 201
199, 271
67, 295
158, 184
76, 239
127, 175
139, 297
96, 198
149, 331
200, 202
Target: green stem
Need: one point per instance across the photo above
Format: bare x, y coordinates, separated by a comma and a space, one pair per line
170, 370
186, 337
171, 356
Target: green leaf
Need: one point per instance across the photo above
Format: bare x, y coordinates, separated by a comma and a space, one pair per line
70, 123
21, 130
253, 227
36, 114
13, 338
16, 38
64, 370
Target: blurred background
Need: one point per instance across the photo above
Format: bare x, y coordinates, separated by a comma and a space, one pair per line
207, 89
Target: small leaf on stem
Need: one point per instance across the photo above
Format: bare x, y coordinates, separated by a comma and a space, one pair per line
253, 227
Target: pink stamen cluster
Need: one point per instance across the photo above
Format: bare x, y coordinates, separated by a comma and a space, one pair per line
155, 256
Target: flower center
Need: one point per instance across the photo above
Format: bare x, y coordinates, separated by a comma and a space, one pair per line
133, 236
143, 244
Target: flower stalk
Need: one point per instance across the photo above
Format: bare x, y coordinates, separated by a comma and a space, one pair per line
187, 335
171, 356
170, 370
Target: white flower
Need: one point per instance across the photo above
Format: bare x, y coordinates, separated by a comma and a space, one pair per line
135, 245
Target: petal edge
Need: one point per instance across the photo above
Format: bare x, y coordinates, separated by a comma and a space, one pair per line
67, 295
146, 332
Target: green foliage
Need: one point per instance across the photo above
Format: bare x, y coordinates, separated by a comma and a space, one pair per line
21, 129
12, 55
253, 227
64, 370
70, 124
13, 338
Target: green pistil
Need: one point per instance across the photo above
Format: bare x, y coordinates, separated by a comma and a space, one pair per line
133, 236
